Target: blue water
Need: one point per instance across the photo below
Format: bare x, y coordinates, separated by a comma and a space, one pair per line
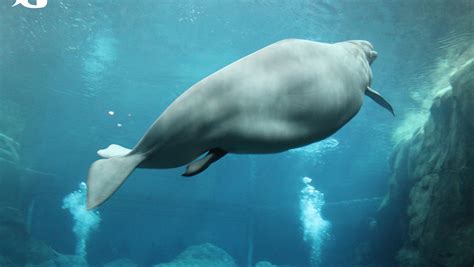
77, 76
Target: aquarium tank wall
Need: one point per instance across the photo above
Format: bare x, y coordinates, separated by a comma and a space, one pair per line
77, 76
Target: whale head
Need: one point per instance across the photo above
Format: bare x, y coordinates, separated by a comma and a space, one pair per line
370, 54
367, 48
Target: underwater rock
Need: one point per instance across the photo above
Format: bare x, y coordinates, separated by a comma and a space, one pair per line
63, 261
16, 244
201, 255
264, 264
430, 204
121, 263
269, 264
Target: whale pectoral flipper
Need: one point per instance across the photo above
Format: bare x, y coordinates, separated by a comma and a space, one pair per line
379, 99
107, 175
200, 165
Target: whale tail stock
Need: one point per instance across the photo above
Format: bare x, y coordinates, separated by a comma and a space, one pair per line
379, 99
107, 175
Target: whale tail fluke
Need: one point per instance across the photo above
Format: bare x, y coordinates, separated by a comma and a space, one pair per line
113, 151
107, 175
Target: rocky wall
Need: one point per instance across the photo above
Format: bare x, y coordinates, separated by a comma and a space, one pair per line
427, 218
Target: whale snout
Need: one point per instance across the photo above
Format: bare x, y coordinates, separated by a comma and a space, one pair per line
367, 48
371, 56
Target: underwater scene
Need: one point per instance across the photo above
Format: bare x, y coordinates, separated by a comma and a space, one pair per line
189, 133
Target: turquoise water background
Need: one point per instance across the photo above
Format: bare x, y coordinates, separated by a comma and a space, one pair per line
65, 68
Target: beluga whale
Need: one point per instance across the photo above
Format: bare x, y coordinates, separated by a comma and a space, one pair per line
286, 95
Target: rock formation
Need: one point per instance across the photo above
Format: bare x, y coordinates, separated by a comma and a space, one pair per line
427, 218
17, 247
62, 261
124, 262
202, 255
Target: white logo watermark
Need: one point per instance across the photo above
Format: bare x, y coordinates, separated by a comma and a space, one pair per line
26, 3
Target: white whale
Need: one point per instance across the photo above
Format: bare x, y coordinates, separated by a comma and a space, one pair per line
286, 95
